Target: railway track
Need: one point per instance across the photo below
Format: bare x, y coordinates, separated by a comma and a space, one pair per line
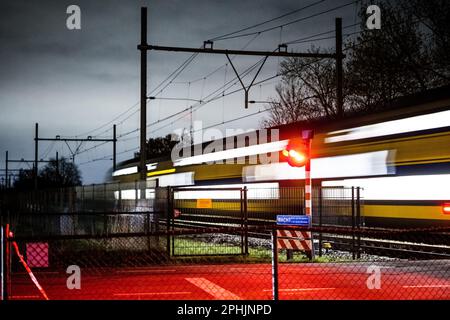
381, 247
390, 248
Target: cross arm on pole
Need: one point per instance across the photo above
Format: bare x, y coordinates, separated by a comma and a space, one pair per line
238, 52
246, 89
76, 140
27, 161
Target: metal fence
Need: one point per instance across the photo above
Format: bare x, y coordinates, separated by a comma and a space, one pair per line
141, 207
123, 266
132, 241
200, 209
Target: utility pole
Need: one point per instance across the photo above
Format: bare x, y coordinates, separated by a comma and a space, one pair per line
36, 146
66, 140
143, 48
208, 48
57, 165
114, 148
339, 72
6, 170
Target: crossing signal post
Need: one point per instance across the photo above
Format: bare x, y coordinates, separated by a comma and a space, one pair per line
298, 154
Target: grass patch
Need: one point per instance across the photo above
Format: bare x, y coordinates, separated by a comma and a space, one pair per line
188, 249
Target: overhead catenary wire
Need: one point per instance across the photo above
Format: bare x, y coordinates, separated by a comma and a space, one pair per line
265, 22
164, 84
203, 128
198, 105
202, 103
223, 122
109, 122
218, 96
167, 81
313, 37
174, 74
170, 78
289, 23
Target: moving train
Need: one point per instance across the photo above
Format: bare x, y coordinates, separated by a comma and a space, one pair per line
399, 155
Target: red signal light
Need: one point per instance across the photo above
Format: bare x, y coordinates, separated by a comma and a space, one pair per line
295, 153
446, 208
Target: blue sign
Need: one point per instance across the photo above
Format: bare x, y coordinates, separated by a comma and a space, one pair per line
293, 220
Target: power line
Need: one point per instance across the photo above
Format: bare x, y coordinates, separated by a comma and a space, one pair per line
311, 37
183, 66
213, 99
109, 122
219, 68
108, 157
177, 71
291, 22
198, 105
223, 37
170, 78
219, 96
176, 74
210, 126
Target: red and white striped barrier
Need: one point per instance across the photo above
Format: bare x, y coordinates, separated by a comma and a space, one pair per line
308, 202
308, 190
294, 240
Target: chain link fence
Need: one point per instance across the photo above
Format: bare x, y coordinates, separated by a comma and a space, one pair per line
140, 242
134, 266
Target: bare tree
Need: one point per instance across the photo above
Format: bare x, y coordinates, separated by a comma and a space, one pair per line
407, 55
292, 105
388, 63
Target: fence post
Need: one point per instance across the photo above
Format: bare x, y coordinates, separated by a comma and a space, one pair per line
274, 265
105, 216
104, 197
172, 217
245, 221
61, 199
320, 220
3, 258
93, 198
358, 220
168, 210
353, 223
135, 194
83, 207
120, 196
148, 227
241, 193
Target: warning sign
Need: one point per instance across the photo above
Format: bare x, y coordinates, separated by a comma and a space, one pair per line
37, 254
204, 203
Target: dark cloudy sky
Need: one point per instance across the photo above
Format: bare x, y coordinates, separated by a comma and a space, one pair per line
74, 81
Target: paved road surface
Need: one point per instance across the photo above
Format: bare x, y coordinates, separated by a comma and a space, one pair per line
399, 280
